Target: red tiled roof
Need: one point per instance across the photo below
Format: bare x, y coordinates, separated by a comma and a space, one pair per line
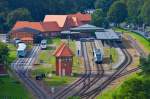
60, 19
27, 39
53, 23
33, 25
51, 26
63, 51
78, 18
83, 17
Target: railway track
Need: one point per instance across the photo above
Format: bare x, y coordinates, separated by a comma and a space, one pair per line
128, 72
84, 80
137, 47
93, 93
21, 67
99, 74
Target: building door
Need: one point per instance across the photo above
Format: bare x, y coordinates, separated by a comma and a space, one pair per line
63, 72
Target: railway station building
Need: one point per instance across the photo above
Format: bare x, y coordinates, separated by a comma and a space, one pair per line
52, 25
33, 32
83, 31
64, 60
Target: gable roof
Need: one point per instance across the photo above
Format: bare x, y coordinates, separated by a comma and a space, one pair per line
35, 27
63, 51
78, 18
60, 19
87, 27
82, 17
26, 29
27, 24
51, 26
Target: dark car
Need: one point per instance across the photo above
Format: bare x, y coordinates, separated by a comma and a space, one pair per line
38, 77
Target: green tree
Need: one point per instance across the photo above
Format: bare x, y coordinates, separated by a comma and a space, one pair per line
134, 12
145, 12
98, 18
145, 64
134, 88
4, 52
103, 4
117, 12
20, 14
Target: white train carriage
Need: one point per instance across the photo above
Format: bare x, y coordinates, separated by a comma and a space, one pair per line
43, 44
21, 51
98, 56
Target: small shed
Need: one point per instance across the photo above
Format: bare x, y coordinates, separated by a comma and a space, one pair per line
64, 60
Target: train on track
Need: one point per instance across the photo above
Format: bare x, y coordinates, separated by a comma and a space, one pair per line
21, 51
98, 56
43, 44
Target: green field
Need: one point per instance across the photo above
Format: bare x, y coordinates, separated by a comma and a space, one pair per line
113, 52
55, 41
139, 38
54, 80
12, 89
114, 55
12, 53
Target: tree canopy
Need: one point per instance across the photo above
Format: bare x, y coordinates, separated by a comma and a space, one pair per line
145, 12
98, 18
134, 88
134, 12
20, 14
145, 65
117, 12
4, 52
103, 4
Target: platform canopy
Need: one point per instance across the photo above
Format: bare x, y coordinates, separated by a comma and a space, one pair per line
108, 34
69, 32
87, 27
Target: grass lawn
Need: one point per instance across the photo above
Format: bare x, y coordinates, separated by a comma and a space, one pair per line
114, 54
54, 80
55, 41
48, 64
12, 53
57, 81
142, 41
12, 89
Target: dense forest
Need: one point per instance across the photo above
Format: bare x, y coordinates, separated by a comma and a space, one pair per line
114, 11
